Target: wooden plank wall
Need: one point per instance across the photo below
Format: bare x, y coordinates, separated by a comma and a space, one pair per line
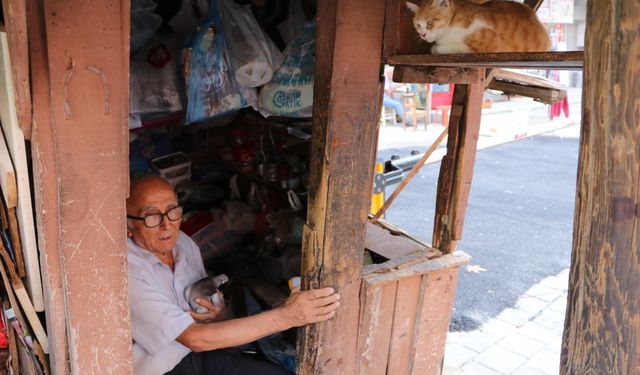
46, 192
347, 97
602, 325
406, 309
84, 135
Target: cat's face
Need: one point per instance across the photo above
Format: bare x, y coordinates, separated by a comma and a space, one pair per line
431, 19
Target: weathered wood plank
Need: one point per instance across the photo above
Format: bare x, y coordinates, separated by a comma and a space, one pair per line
377, 302
89, 148
602, 324
347, 97
533, 4
433, 321
46, 191
435, 74
390, 245
456, 170
541, 94
16, 145
402, 331
15, 19
520, 60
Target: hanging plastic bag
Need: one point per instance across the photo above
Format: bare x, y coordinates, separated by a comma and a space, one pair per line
211, 87
294, 24
290, 92
254, 57
144, 23
154, 77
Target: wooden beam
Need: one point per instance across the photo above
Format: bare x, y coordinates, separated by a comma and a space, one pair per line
46, 191
602, 325
15, 19
541, 94
434, 74
347, 97
520, 60
87, 50
456, 168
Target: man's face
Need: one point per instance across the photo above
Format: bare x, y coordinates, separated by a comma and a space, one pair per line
154, 197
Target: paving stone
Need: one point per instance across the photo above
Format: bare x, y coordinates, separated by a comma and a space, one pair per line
559, 305
546, 361
498, 328
475, 368
513, 316
529, 371
521, 344
501, 360
530, 306
551, 319
538, 332
456, 355
477, 341
564, 274
555, 282
455, 337
544, 293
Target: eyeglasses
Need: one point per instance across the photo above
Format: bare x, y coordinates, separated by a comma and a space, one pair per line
154, 220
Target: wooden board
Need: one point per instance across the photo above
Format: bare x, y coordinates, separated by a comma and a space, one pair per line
16, 145
541, 94
347, 101
520, 60
382, 242
435, 74
15, 18
402, 332
602, 324
89, 140
13, 285
456, 168
8, 182
46, 192
376, 317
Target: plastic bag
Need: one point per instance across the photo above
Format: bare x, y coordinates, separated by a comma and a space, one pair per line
254, 57
290, 92
189, 16
144, 23
212, 89
294, 24
154, 77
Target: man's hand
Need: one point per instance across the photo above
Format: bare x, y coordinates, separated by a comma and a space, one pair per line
213, 315
310, 306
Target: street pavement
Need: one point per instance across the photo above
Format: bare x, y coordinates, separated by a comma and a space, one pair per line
509, 311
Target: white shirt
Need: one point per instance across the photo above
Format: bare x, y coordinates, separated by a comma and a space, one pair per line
158, 307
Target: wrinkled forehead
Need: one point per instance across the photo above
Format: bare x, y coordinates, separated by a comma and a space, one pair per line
150, 193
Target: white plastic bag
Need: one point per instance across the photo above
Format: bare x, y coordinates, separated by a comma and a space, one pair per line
290, 92
254, 57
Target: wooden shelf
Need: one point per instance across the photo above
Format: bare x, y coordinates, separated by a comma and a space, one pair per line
522, 60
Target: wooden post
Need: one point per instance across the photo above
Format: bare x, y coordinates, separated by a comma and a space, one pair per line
347, 97
87, 52
46, 192
602, 325
456, 168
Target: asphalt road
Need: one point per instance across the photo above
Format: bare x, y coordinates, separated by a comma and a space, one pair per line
518, 224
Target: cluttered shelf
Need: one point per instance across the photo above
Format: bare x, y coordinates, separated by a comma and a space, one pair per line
528, 60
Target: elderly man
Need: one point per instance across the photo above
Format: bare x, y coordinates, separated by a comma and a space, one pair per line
168, 337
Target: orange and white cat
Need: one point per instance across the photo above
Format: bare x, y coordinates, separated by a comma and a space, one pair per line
462, 26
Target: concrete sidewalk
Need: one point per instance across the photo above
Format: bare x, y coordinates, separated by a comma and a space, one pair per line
523, 340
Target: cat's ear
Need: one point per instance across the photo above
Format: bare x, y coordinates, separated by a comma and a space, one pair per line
443, 3
412, 7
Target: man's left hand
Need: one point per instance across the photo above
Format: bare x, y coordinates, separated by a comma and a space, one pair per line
214, 312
